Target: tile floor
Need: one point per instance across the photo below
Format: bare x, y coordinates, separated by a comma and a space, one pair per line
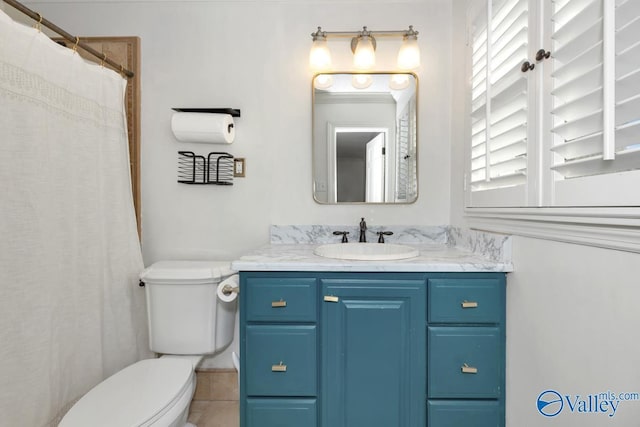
215, 402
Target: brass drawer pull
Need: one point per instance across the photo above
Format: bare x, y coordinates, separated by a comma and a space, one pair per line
466, 369
469, 304
331, 298
279, 368
278, 304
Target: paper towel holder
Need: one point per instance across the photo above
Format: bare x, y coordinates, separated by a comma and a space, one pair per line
233, 112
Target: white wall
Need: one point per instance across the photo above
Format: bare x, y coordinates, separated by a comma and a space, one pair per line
572, 326
572, 319
253, 55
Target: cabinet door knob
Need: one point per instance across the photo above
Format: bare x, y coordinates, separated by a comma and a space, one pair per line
279, 367
542, 54
466, 369
469, 304
526, 66
278, 304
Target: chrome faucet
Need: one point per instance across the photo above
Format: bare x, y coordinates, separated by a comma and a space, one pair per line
363, 230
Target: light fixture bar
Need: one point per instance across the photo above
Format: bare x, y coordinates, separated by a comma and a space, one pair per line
347, 34
363, 46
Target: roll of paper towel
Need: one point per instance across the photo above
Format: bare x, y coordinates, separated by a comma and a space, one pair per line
209, 128
232, 288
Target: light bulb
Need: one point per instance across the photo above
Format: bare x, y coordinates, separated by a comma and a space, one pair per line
319, 56
409, 54
361, 81
364, 56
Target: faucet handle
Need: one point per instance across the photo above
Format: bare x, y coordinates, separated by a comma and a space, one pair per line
381, 235
344, 235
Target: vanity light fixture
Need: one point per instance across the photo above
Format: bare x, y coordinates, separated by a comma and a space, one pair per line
364, 50
409, 54
363, 46
320, 57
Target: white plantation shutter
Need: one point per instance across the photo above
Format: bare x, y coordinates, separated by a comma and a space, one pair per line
567, 132
499, 98
596, 94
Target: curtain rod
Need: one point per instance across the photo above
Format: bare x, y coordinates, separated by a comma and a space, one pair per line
75, 40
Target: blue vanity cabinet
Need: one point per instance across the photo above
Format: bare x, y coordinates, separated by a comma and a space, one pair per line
325, 349
466, 351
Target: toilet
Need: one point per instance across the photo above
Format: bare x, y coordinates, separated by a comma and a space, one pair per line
186, 320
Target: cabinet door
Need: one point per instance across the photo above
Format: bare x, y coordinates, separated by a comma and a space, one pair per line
281, 413
281, 360
464, 413
464, 362
461, 300
278, 299
373, 362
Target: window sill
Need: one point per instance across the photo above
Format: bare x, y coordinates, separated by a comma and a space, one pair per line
611, 228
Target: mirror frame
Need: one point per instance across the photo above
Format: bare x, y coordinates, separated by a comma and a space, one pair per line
313, 163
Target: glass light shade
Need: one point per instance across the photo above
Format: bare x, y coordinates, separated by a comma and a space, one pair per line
361, 81
399, 81
323, 81
364, 57
320, 57
409, 55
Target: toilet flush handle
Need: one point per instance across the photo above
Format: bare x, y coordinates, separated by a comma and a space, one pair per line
228, 290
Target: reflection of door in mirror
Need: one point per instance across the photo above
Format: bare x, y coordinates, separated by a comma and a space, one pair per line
375, 169
360, 164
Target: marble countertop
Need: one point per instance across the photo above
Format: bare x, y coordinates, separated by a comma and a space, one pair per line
442, 249
434, 257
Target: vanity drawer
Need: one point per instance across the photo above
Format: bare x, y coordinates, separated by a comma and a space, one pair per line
281, 360
457, 413
281, 413
276, 299
464, 362
465, 300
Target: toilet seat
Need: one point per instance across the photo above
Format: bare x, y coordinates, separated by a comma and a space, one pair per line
138, 395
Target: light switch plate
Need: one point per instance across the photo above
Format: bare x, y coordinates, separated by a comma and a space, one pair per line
238, 167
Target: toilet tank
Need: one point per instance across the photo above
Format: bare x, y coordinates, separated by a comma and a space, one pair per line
184, 314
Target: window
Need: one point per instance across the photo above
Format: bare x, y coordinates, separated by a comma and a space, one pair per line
556, 131
553, 147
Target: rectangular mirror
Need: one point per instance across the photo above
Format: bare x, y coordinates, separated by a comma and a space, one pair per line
364, 138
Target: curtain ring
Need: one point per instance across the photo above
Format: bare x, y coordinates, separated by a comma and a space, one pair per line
75, 46
122, 70
104, 58
38, 25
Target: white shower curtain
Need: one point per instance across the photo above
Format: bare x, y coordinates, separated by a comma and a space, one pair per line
71, 311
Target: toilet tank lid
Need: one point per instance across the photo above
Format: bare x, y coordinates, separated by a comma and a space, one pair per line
187, 272
134, 396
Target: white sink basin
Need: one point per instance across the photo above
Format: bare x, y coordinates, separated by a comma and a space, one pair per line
366, 251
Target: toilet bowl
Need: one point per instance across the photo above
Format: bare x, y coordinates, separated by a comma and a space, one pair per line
186, 320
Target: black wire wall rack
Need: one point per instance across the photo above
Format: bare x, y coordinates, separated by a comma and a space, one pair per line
216, 168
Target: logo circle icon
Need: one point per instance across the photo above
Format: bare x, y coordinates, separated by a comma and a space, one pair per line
550, 403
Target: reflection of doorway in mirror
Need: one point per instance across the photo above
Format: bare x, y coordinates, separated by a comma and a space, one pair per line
359, 156
375, 169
